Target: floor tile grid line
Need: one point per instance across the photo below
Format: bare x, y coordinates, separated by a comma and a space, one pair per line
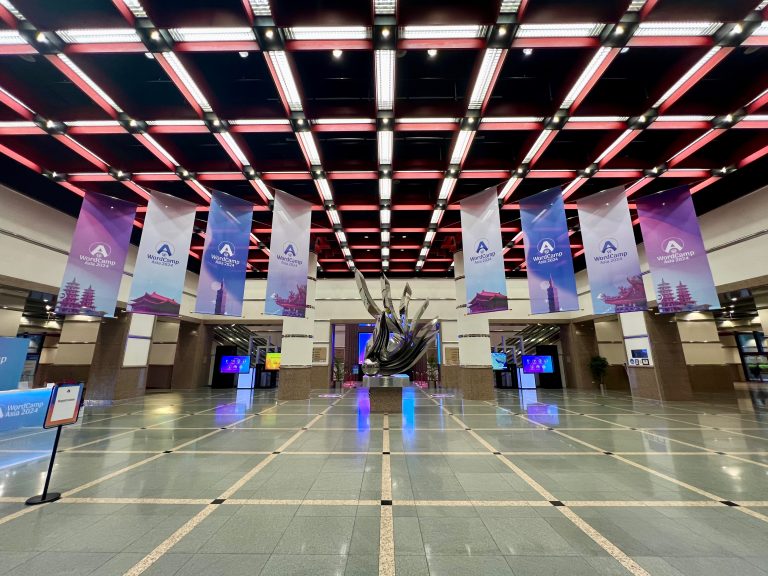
117, 435
616, 553
386, 521
110, 476
658, 474
79, 425
159, 551
644, 432
717, 428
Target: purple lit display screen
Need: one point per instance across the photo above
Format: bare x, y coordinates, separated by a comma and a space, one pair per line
235, 364
362, 342
537, 365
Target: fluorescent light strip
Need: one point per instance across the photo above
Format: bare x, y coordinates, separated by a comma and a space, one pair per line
586, 76
429, 120
437, 213
92, 123
341, 237
175, 123
11, 37
384, 6
429, 237
536, 145
446, 188
260, 7
696, 141
327, 33
212, 34
385, 188
263, 187
519, 119
285, 77
346, 251
321, 121
136, 8
186, 79
684, 118
598, 119
677, 28
12, 9
636, 5
385, 252
385, 235
200, 187
17, 124
440, 32
685, 77
385, 79
423, 252
334, 216
510, 6
385, 144
755, 118
506, 187
160, 149
613, 145
12, 97
462, 144
259, 122
87, 79
487, 68
761, 30
98, 35
235, 148
308, 143
325, 189
385, 215
559, 30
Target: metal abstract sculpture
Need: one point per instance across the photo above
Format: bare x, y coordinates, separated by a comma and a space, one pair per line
396, 345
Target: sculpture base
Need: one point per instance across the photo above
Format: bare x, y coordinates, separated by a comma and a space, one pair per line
386, 393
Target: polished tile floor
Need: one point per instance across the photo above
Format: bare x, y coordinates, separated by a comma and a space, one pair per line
233, 483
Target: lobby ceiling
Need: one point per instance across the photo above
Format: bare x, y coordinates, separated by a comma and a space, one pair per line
384, 114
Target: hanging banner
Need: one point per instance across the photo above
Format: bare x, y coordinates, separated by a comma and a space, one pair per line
613, 266
675, 251
288, 257
484, 276
551, 281
221, 285
161, 264
97, 257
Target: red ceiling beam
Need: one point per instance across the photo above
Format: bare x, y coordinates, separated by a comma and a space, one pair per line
348, 44
695, 77
694, 146
105, 48
82, 84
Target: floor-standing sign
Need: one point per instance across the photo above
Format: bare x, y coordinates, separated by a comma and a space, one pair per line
63, 409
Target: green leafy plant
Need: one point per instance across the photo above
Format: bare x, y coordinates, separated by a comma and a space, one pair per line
598, 365
338, 371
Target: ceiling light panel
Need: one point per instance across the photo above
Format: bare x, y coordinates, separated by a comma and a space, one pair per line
578, 119
507, 186
385, 235
385, 143
385, 188
636, 5
429, 237
236, 150
436, 215
586, 76
462, 145
259, 122
12, 9
323, 121
341, 237
427, 120
212, 34
536, 146
175, 123
385, 252
186, 79
677, 28
385, 79
334, 216
761, 30
11, 37
509, 6
260, 7
446, 188
487, 69
308, 143
285, 77
385, 215
384, 6
87, 79
263, 187
325, 189
92, 123
442, 32
685, 77
559, 30
136, 8
98, 35
327, 33
511, 119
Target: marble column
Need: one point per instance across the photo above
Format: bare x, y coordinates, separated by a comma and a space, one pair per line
705, 357
162, 353
610, 345
475, 375
192, 362
74, 352
579, 345
298, 336
11, 309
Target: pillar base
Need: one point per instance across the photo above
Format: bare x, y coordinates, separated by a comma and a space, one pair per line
295, 383
449, 376
386, 400
320, 377
476, 382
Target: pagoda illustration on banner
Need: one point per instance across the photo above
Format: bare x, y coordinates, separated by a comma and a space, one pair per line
295, 303
553, 300
678, 301
156, 304
72, 302
487, 302
631, 297
221, 300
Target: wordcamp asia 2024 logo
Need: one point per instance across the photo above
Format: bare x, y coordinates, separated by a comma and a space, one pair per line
224, 255
609, 251
163, 255
674, 251
98, 256
289, 255
483, 253
547, 252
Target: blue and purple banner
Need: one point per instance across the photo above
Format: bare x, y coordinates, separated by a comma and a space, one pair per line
221, 285
675, 251
288, 257
551, 281
161, 264
613, 266
97, 257
484, 276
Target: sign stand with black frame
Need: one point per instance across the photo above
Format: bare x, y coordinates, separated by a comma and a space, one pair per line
63, 409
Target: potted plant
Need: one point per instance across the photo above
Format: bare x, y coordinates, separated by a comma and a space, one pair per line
598, 365
338, 372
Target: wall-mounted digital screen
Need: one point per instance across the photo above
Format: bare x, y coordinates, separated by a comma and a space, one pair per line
273, 361
538, 365
235, 364
362, 342
639, 353
499, 360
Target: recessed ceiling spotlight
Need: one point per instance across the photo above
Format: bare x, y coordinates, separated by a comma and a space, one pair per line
132, 122
641, 118
737, 29
243, 54
155, 35
337, 53
527, 51
149, 55
432, 52
40, 37
734, 299
385, 32
502, 30
300, 121
619, 30
624, 50
269, 34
